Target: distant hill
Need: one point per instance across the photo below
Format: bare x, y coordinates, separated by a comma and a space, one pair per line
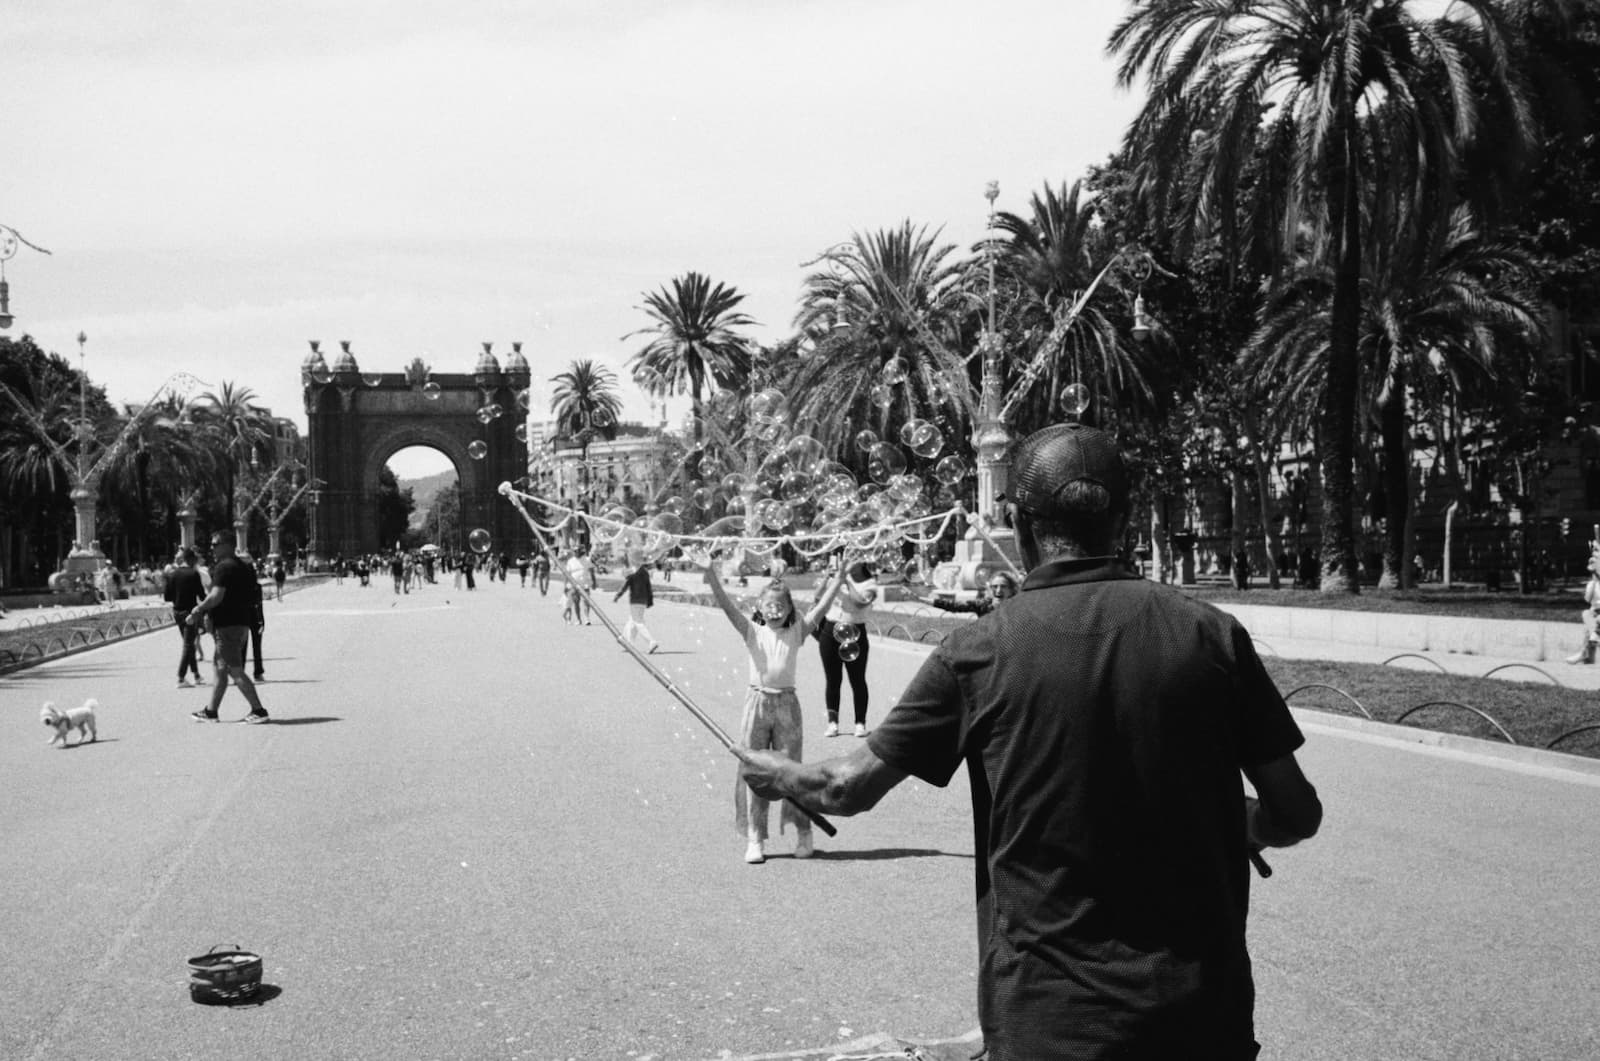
424, 490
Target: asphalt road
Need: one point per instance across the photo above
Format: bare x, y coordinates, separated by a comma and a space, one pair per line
473, 832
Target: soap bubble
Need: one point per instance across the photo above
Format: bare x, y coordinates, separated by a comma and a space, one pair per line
484, 415
850, 652
495, 411
321, 373
478, 541
430, 391
769, 405
908, 430
884, 461
712, 465
926, 441
1075, 398
372, 379
804, 452
866, 438
894, 371
477, 449
881, 395
845, 633
767, 430
950, 470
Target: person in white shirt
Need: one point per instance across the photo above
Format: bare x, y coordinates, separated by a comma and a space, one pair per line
579, 570
842, 641
771, 718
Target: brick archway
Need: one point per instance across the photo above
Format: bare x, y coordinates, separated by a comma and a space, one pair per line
355, 426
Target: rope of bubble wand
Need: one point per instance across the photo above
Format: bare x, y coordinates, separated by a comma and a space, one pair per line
650, 668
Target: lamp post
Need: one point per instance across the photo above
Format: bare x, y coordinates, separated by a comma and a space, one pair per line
85, 559
989, 543
10, 240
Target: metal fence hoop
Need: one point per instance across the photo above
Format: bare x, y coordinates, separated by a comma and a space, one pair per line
1332, 688
1465, 707
1414, 655
1573, 733
1537, 670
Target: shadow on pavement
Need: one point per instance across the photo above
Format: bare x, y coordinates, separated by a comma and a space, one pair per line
884, 853
305, 720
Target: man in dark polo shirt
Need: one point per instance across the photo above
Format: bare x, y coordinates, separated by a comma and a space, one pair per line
1104, 721
184, 590
230, 607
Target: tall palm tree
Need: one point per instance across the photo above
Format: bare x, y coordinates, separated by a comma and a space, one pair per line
1445, 314
1047, 259
236, 429
585, 404
695, 341
893, 293
1215, 70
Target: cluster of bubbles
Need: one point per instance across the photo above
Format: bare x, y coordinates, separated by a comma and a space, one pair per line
848, 637
773, 486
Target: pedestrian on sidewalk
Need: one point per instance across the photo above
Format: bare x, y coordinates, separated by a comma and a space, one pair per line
842, 643
1105, 721
184, 590
258, 626
771, 721
640, 597
229, 609
279, 577
1591, 597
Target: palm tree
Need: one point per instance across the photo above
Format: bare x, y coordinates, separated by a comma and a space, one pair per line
893, 293
237, 430
1216, 70
160, 461
1444, 312
695, 340
1047, 259
585, 404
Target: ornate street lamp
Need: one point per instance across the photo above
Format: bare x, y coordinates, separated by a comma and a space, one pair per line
10, 240
84, 470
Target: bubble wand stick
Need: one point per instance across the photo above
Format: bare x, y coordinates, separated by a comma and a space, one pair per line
639, 657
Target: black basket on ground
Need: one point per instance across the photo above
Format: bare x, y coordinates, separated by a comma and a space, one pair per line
224, 976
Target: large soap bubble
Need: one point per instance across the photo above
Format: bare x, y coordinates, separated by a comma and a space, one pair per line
1075, 398
804, 452
865, 439
884, 461
431, 391
882, 396
926, 441
477, 449
950, 470
478, 541
769, 405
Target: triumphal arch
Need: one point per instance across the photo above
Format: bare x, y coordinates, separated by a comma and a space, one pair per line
359, 419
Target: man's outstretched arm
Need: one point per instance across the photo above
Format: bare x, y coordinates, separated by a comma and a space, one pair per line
846, 785
1286, 809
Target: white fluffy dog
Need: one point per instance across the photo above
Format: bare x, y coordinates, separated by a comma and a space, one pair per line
75, 718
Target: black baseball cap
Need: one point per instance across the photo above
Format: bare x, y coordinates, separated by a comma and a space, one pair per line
1049, 459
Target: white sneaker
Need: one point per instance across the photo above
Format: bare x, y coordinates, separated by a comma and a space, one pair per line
803, 847
861, 730
832, 730
753, 853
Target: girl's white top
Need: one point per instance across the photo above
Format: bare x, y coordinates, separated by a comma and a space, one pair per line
1591, 592
852, 604
775, 652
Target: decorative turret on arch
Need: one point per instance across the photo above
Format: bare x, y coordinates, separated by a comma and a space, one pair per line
359, 419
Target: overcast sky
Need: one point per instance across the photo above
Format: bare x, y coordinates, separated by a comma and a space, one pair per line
220, 182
